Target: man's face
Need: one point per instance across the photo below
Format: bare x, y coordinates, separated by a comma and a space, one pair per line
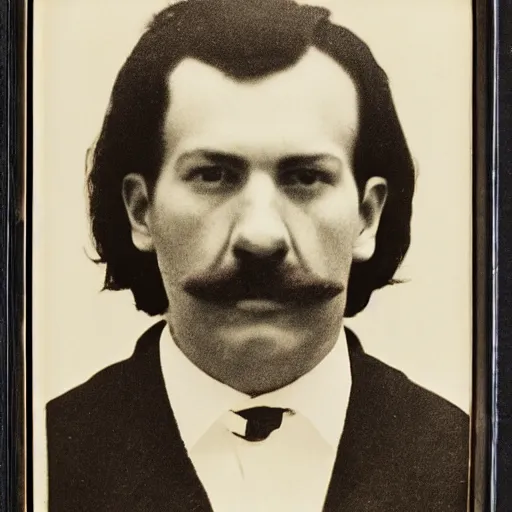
256, 217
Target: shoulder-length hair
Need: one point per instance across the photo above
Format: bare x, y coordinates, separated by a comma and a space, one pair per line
245, 39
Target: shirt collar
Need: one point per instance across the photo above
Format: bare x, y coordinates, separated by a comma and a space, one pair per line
198, 400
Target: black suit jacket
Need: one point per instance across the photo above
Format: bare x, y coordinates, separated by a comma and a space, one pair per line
114, 444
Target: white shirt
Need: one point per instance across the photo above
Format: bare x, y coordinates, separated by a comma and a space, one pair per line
291, 469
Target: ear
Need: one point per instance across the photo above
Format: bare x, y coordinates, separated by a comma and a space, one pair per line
370, 211
136, 202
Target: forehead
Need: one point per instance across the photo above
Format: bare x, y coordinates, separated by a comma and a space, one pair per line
310, 106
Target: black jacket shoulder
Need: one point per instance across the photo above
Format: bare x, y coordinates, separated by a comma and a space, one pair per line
403, 447
113, 443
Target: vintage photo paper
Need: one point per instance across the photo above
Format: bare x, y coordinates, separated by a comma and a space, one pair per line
252, 255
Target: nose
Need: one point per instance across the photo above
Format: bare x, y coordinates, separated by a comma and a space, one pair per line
260, 231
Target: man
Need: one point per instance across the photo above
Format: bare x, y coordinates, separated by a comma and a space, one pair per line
252, 184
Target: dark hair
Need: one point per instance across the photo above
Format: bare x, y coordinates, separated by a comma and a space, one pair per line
244, 39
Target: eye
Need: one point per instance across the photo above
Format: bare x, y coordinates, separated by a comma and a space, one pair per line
212, 175
305, 177
209, 174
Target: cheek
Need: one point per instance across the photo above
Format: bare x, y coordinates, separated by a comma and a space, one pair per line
325, 233
188, 231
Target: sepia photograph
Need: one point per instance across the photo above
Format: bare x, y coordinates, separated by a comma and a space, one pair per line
252, 255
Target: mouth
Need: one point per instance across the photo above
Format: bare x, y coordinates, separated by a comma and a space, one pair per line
261, 306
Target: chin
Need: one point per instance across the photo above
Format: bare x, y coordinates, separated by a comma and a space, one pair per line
261, 343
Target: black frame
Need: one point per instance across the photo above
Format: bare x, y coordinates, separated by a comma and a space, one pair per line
13, 107
491, 462
502, 207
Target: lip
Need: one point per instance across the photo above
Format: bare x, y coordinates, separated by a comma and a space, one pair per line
260, 306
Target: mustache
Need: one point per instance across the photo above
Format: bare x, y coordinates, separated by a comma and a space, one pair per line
261, 281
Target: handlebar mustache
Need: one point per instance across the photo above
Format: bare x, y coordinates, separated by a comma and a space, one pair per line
287, 285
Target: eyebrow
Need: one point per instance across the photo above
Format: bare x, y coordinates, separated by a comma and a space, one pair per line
306, 160
236, 161
217, 157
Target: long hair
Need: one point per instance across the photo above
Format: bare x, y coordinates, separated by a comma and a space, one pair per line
245, 39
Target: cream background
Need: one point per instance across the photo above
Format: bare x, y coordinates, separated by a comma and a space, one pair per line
422, 327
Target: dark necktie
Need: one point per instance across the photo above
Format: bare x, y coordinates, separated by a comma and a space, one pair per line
261, 422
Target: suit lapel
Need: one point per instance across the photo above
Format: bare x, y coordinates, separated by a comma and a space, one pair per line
163, 478
354, 462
